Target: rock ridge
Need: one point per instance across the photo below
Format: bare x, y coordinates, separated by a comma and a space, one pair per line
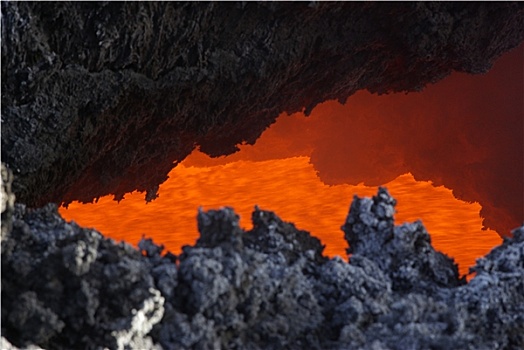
65, 287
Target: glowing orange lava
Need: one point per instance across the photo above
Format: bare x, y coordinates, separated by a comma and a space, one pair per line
291, 188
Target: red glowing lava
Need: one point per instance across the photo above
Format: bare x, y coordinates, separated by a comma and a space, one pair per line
291, 188
464, 132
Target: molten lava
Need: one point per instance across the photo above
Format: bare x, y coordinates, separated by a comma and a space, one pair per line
292, 189
464, 132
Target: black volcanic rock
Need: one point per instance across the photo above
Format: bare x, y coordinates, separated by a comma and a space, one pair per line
67, 287
405, 251
101, 98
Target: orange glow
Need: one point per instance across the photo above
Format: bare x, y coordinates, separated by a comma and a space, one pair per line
291, 188
465, 133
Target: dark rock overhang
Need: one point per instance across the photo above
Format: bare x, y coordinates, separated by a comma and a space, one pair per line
101, 98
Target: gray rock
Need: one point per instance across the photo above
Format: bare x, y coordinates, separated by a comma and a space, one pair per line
66, 287
131, 88
404, 251
6, 345
8, 200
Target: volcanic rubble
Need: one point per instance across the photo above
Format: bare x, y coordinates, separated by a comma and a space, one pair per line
65, 287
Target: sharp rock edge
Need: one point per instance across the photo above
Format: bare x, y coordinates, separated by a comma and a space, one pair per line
133, 88
64, 286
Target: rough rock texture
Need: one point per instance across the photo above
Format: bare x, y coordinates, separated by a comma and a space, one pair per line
102, 98
405, 251
66, 287
8, 200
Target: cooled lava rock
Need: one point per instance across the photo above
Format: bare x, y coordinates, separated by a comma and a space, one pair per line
67, 287
105, 98
101, 98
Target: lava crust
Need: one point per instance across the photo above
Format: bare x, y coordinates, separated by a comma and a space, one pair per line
106, 98
67, 287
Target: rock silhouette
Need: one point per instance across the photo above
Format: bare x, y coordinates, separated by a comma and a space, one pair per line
65, 287
105, 98
101, 98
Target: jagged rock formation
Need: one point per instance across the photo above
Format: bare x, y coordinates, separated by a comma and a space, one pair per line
67, 287
101, 98
8, 200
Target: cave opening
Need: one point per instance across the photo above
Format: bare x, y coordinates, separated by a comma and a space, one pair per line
266, 110
449, 155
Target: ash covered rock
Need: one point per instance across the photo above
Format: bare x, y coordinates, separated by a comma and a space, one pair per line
493, 301
66, 287
8, 200
404, 251
252, 298
219, 228
283, 238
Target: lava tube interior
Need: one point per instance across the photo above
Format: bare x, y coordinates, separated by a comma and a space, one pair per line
451, 156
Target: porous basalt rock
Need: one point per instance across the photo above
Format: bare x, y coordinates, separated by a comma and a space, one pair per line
405, 251
67, 287
8, 200
104, 98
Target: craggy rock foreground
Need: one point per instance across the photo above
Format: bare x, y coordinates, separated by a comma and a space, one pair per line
66, 287
104, 98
